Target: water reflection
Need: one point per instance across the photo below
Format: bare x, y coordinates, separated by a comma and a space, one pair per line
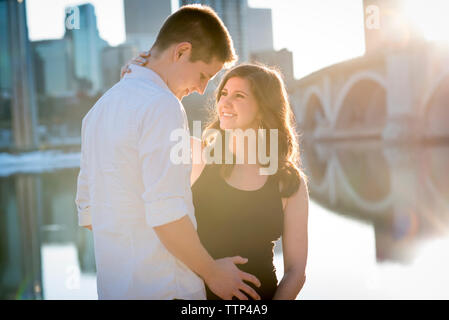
20, 266
402, 191
379, 222
38, 217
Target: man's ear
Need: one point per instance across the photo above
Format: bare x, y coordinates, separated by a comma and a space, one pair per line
182, 49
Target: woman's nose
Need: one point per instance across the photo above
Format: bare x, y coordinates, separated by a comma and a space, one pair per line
225, 102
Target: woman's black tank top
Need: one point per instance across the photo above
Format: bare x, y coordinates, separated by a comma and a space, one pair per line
234, 222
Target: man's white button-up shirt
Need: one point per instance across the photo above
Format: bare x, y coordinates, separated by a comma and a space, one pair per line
127, 185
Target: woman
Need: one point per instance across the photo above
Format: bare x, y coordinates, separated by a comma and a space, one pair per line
239, 211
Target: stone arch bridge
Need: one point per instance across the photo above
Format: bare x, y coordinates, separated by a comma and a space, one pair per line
395, 95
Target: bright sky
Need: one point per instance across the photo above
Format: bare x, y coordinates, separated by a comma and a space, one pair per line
46, 18
429, 19
319, 33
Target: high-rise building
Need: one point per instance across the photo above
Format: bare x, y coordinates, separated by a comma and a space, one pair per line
143, 19
87, 46
234, 14
5, 79
56, 69
5, 63
282, 60
260, 30
112, 59
17, 88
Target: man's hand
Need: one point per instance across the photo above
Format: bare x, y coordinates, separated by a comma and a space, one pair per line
221, 275
141, 60
88, 227
226, 280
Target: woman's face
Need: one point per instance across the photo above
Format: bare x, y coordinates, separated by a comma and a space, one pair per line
237, 107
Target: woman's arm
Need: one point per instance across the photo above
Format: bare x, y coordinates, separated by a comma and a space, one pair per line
294, 244
197, 162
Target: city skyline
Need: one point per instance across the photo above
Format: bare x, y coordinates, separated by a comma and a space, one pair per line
311, 49
326, 31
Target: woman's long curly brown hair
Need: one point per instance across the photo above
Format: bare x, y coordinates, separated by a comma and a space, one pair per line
269, 90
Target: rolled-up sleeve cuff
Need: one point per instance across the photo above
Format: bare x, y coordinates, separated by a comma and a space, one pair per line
164, 211
84, 218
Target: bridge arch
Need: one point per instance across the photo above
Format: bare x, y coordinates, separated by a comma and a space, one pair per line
314, 113
368, 189
301, 100
362, 105
316, 165
435, 110
435, 160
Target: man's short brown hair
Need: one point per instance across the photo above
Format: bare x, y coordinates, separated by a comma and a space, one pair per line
201, 26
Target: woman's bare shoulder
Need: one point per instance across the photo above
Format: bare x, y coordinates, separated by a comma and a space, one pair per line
299, 198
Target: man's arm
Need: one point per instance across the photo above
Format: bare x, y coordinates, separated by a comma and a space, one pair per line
221, 275
168, 201
82, 191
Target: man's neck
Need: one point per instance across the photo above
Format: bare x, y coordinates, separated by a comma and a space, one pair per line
159, 66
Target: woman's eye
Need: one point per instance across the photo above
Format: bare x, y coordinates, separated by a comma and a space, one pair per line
238, 95
224, 93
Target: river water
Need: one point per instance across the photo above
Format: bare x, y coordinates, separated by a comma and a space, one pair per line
378, 224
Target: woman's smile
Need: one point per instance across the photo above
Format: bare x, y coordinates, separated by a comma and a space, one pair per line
227, 115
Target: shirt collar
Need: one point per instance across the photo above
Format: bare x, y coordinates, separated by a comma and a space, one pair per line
139, 72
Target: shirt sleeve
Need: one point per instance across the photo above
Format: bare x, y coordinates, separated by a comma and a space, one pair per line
82, 192
167, 194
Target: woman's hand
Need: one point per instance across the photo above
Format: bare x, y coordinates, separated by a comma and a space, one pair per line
140, 60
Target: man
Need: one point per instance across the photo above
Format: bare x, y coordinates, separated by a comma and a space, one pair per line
136, 201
